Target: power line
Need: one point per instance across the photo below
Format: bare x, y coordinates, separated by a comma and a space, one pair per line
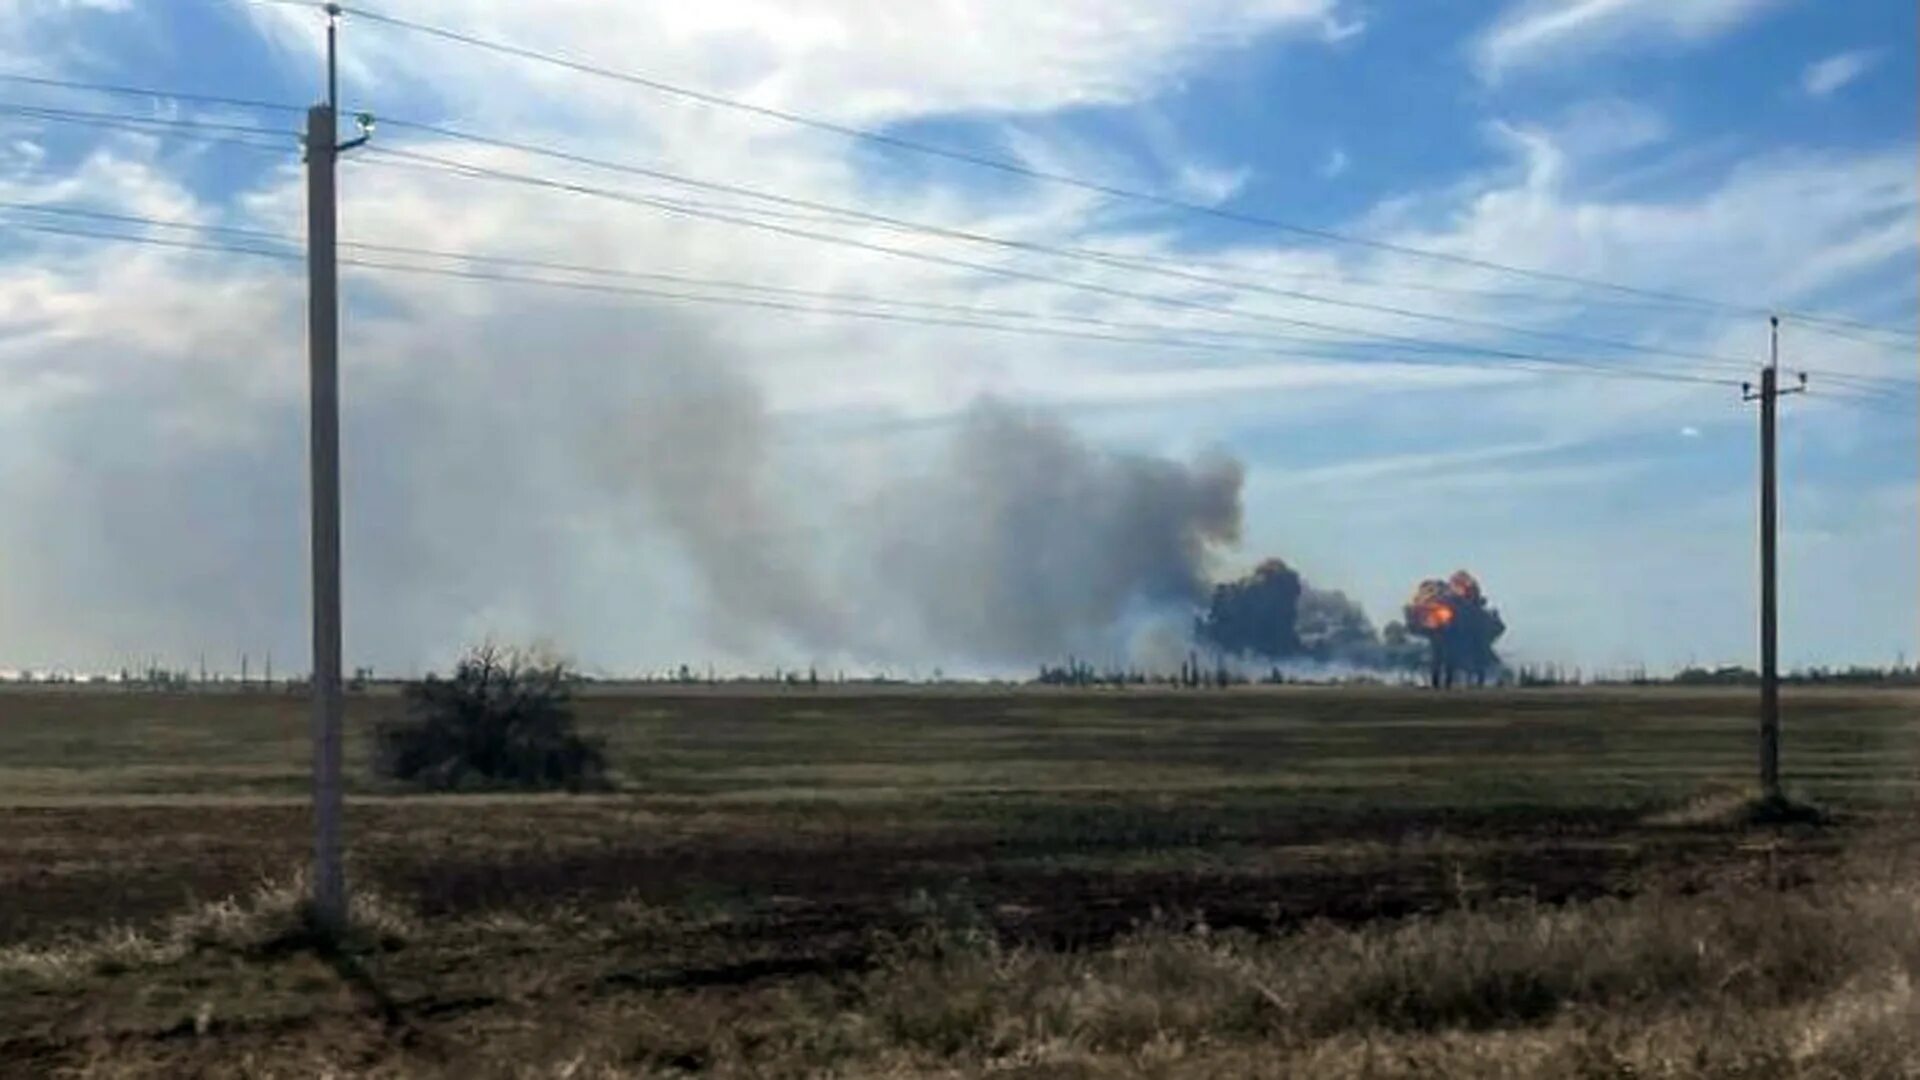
1832, 323
1269, 341
288, 256
1016, 168
1862, 384
185, 130
850, 218
830, 215
291, 256
640, 275
45, 112
1862, 392
1406, 285
1528, 364
461, 168
680, 279
249, 142
643, 275
1108, 259
157, 241
160, 94
1862, 334
1862, 381
149, 93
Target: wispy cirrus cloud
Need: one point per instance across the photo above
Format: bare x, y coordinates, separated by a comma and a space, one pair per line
1535, 32
851, 60
1212, 186
1824, 77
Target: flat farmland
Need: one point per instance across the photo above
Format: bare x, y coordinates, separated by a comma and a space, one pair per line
775, 861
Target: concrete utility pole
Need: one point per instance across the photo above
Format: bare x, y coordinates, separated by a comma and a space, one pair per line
1769, 394
323, 373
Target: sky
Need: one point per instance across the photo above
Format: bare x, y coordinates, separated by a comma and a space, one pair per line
639, 481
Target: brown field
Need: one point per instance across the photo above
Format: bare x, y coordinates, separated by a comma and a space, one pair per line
1289, 881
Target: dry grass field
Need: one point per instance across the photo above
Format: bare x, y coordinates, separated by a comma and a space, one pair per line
957, 882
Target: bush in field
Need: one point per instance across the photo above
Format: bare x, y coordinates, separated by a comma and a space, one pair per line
503, 719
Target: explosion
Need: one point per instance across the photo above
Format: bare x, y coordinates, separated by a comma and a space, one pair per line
1431, 609
1459, 626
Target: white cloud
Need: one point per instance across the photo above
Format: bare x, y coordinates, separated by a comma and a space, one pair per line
1534, 32
38, 36
1212, 186
1823, 77
1336, 164
1336, 30
863, 61
1601, 127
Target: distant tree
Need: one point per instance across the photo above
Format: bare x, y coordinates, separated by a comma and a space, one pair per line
1728, 675
503, 719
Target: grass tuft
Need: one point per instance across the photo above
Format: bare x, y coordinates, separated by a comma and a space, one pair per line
270, 920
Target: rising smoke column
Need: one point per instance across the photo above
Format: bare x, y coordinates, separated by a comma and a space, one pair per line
1024, 541
697, 457
1018, 541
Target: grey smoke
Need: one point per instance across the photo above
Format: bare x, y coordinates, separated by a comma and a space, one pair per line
1333, 627
1024, 541
696, 453
1017, 541
615, 485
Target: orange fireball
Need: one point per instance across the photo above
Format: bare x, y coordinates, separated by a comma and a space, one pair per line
1452, 614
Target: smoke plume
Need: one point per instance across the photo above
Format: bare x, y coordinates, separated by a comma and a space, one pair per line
1273, 616
1257, 616
1333, 628
1024, 541
1019, 540
696, 453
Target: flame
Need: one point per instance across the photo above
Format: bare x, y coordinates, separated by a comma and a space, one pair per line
1436, 602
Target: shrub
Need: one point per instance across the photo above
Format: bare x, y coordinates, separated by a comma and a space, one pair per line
503, 719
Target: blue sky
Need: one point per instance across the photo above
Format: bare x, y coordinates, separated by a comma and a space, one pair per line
1755, 151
